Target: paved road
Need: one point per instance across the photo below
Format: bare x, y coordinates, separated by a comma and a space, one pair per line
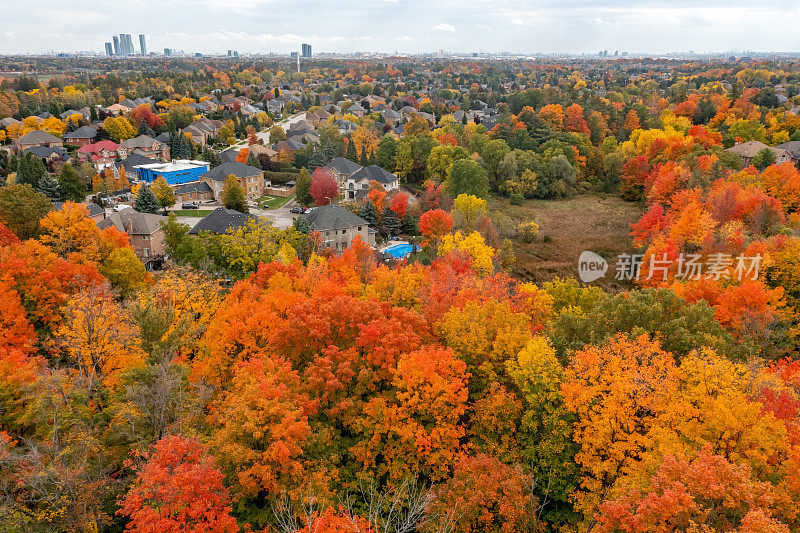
264, 134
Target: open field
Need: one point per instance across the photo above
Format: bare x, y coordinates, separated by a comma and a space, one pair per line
272, 202
600, 223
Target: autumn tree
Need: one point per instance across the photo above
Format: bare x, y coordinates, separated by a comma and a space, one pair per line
177, 488
21, 208
467, 177
324, 188
163, 192
233, 196
434, 225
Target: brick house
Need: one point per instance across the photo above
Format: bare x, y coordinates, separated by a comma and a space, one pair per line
251, 179
144, 233
339, 226
37, 138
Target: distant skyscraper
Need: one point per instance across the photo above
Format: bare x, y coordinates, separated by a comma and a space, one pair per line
126, 42
167, 51
230, 53
142, 45
306, 50
109, 50
116, 45
294, 55
235, 53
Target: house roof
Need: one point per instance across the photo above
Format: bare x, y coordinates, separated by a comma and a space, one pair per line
374, 172
195, 186
84, 132
749, 149
221, 220
793, 147
333, 216
142, 141
38, 137
111, 146
46, 151
134, 160
240, 170
343, 165
133, 222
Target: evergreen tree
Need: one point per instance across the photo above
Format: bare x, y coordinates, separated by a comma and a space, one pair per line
390, 222
50, 188
146, 201
409, 225
302, 188
302, 225
368, 213
72, 187
364, 159
351, 151
92, 113
30, 170
253, 162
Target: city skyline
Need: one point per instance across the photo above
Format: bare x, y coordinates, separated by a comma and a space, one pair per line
259, 26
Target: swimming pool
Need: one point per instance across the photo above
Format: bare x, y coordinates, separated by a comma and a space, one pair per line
399, 250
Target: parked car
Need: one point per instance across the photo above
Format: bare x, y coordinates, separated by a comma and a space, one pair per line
298, 209
120, 207
189, 205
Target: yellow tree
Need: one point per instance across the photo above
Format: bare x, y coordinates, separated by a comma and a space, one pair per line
99, 338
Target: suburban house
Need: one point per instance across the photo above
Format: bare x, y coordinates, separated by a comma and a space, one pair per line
360, 180
196, 191
175, 172
37, 138
222, 220
748, 150
80, 137
101, 153
251, 179
144, 145
342, 168
144, 232
793, 147
202, 130
338, 226
48, 154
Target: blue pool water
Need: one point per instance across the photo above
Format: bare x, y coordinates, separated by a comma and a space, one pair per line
399, 250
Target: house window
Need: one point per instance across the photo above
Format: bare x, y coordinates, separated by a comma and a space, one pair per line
359, 228
146, 252
145, 237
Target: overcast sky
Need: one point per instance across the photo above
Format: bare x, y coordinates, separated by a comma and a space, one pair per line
409, 26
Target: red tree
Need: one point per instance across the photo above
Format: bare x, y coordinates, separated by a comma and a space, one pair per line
435, 224
323, 186
399, 204
178, 489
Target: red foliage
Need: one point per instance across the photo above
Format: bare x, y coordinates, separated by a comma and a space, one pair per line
323, 186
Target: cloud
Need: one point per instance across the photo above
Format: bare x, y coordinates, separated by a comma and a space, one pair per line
444, 27
517, 21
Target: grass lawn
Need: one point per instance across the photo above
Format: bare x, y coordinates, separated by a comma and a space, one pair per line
191, 212
600, 223
272, 202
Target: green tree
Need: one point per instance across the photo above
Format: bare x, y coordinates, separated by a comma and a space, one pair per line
50, 188
387, 150
146, 201
30, 170
390, 222
764, 158
21, 208
164, 193
233, 196
73, 188
467, 177
303, 186
276, 134
367, 212
492, 154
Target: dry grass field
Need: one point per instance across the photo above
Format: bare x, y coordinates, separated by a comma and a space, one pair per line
600, 223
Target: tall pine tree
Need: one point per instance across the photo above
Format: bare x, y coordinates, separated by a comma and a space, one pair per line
72, 187
50, 188
146, 201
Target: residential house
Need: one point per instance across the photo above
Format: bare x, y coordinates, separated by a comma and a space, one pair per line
116, 109
81, 136
48, 154
793, 147
196, 191
338, 226
101, 153
37, 138
221, 221
251, 179
202, 130
361, 179
342, 168
748, 150
144, 145
144, 233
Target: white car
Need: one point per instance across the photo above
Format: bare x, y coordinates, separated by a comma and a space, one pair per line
120, 207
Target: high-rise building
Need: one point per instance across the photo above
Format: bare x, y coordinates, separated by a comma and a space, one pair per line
126, 43
167, 51
116, 45
109, 50
142, 45
230, 53
306, 50
294, 55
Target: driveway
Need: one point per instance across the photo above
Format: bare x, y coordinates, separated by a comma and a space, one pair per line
282, 218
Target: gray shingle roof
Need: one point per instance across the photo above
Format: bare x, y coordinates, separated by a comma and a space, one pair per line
240, 170
135, 223
343, 165
38, 137
333, 216
221, 220
374, 172
84, 132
